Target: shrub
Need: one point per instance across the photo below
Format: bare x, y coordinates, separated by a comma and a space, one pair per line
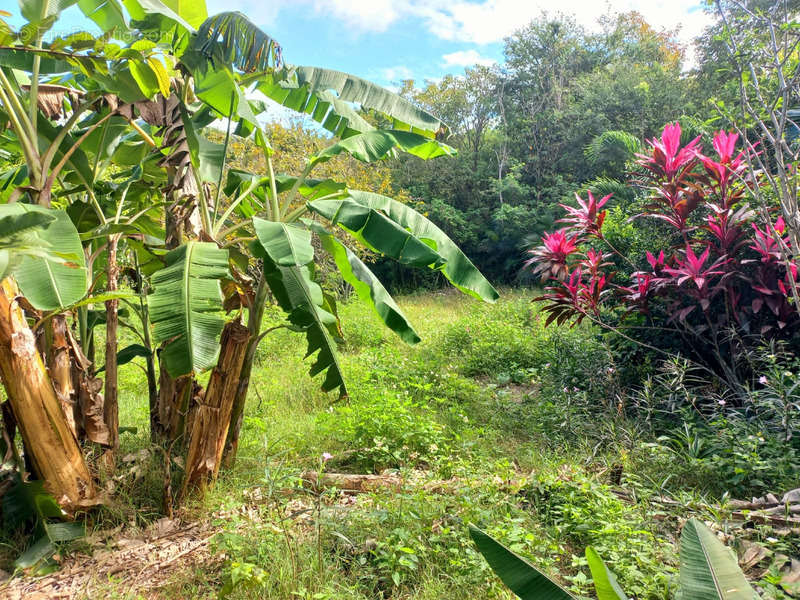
388, 432
722, 281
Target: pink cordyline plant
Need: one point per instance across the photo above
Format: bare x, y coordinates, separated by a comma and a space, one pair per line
724, 268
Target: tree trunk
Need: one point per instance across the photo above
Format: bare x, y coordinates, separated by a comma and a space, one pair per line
254, 319
55, 453
212, 416
60, 368
111, 399
175, 398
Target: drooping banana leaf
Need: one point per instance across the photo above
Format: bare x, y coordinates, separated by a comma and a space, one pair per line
286, 244
189, 14
709, 570
231, 38
323, 92
605, 583
215, 84
14, 229
378, 144
238, 180
378, 232
337, 116
366, 285
53, 275
186, 307
308, 310
522, 578
362, 211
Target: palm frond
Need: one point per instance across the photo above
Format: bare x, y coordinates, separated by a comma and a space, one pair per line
614, 141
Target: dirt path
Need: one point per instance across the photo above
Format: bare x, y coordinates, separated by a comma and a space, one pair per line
133, 565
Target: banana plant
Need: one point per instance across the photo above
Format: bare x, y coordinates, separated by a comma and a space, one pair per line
709, 570
227, 59
145, 106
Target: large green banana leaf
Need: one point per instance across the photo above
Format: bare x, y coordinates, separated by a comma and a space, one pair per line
709, 570
341, 118
286, 251
186, 307
36, 10
16, 240
108, 15
286, 244
605, 583
50, 282
453, 263
323, 92
522, 578
366, 285
378, 144
231, 38
309, 310
378, 232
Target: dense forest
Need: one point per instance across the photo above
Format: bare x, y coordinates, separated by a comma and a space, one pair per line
527, 330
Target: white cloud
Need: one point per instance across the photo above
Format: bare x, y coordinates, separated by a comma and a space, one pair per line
476, 21
466, 58
489, 21
396, 73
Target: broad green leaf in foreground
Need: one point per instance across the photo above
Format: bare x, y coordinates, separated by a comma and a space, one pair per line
522, 578
310, 311
323, 93
709, 570
378, 144
452, 262
286, 244
605, 583
186, 307
378, 232
49, 282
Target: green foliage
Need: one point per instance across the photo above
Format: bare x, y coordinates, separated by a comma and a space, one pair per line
186, 306
51, 268
709, 571
388, 432
525, 580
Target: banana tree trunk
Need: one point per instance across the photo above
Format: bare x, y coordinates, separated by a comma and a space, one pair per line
254, 319
175, 398
54, 451
212, 416
111, 398
60, 368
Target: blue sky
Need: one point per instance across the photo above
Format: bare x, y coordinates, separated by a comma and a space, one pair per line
390, 40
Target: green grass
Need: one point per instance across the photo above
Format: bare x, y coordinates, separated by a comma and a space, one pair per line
491, 419
463, 411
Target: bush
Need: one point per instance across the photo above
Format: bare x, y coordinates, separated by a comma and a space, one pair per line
389, 431
719, 286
